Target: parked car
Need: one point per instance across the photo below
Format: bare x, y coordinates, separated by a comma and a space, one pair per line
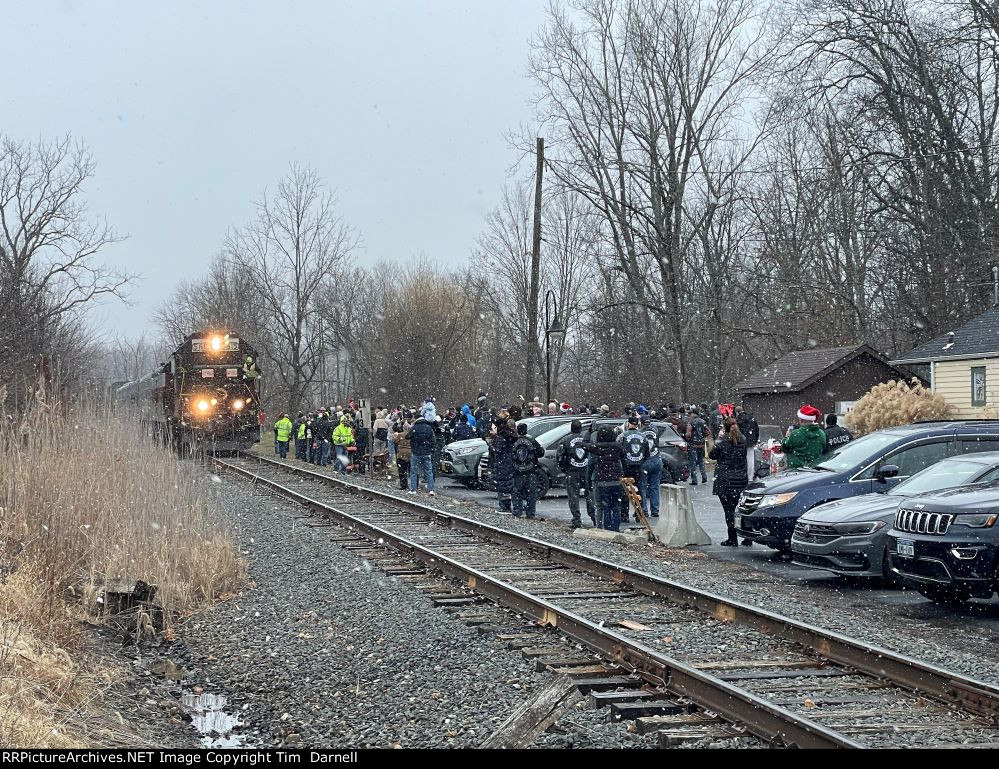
849, 537
460, 459
946, 545
672, 447
879, 461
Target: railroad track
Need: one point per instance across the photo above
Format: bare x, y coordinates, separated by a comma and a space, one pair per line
718, 668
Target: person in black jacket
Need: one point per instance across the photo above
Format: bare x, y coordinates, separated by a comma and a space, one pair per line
636, 451
463, 431
607, 476
526, 453
573, 461
501, 461
729, 452
322, 429
421, 441
836, 435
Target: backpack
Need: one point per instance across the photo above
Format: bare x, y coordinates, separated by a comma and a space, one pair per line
381, 434
524, 458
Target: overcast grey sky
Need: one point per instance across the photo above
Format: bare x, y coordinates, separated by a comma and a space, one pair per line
192, 108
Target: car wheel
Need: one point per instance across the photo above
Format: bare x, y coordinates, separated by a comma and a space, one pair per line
668, 476
945, 596
544, 484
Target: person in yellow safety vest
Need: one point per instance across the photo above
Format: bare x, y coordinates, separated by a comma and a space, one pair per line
343, 437
282, 429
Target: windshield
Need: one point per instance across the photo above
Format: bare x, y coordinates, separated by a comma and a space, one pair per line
540, 428
942, 475
858, 452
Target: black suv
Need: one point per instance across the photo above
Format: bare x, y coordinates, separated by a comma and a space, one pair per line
945, 545
876, 462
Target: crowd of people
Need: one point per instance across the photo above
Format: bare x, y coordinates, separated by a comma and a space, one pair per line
597, 466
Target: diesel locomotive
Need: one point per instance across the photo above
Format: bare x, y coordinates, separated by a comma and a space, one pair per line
205, 397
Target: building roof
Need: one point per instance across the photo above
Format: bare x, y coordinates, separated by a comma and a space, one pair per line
800, 369
977, 338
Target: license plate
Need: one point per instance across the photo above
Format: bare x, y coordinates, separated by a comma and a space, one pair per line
906, 547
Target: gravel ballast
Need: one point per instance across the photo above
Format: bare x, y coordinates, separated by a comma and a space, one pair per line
922, 631
324, 650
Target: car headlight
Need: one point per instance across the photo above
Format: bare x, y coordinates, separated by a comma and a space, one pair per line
985, 521
772, 500
859, 528
464, 451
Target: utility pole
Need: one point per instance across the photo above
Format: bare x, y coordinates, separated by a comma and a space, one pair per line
534, 355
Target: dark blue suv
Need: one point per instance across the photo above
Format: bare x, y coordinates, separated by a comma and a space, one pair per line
876, 462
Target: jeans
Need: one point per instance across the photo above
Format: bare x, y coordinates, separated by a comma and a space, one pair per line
574, 484
277, 447
610, 506
391, 450
300, 448
421, 466
695, 459
282, 449
402, 465
524, 490
322, 453
341, 459
652, 475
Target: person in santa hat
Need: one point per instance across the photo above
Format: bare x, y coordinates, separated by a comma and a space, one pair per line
805, 444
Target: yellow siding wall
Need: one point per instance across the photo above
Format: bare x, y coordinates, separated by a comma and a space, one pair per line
952, 380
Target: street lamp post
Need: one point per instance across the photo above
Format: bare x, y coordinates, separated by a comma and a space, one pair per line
553, 328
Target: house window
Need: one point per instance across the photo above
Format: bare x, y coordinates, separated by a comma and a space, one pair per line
978, 386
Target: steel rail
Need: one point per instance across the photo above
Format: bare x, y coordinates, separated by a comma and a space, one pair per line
968, 694
759, 716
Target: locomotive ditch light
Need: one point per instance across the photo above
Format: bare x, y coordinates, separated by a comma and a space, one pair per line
215, 402
237, 405
203, 406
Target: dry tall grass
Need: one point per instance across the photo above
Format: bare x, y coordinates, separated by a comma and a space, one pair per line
895, 403
87, 502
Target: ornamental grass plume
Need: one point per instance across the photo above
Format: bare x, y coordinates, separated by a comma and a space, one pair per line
895, 403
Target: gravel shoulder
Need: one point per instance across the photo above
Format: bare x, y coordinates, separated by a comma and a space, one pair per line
324, 650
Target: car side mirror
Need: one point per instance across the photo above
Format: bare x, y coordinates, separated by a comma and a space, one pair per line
886, 471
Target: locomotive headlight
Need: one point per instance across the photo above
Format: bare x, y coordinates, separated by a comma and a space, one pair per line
237, 405
216, 343
203, 406
215, 402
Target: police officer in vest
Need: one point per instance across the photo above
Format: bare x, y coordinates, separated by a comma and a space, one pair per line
836, 435
652, 469
636, 451
526, 453
574, 462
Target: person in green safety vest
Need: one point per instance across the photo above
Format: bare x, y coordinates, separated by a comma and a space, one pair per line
282, 431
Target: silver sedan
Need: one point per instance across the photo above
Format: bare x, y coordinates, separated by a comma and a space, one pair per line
849, 537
